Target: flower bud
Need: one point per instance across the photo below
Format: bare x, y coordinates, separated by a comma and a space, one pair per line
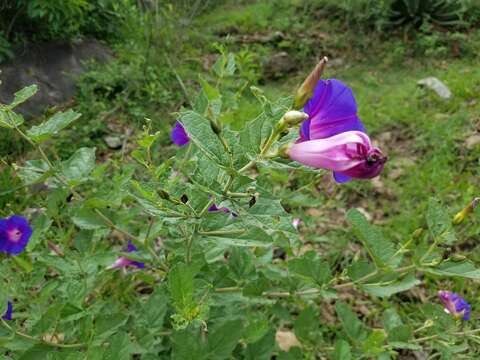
462, 215
291, 118
305, 91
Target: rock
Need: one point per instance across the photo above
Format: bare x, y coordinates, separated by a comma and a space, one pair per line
286, 339
113, 142
53, 67
472, 141
279, 65
436, 85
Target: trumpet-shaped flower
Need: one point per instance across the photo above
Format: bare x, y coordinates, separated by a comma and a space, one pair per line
124, 262
8, 313
454, 304
14, 234
179, 135
332, 111
349, 154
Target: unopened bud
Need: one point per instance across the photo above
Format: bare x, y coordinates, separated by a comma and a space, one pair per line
462, 215
215, 128
294, 117
305, 91
417, 233
163, 194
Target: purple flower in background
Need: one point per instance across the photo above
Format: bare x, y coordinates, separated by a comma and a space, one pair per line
14, 234
178, 135
296, 223
454, 304
332, 111
8, 312
349, 155
214, 208
124, 262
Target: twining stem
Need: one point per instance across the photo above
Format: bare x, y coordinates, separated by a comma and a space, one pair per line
45, 342
282, 294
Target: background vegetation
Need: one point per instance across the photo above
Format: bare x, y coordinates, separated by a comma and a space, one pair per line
165, 53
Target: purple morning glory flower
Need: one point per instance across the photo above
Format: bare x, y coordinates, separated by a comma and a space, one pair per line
124, 262
178, 135
332, 111
215, 208
8, 312
454, 304
14, 234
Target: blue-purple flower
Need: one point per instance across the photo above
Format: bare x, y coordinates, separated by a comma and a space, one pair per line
8, 313
124, 262
454, 304
14, 234
334, 138
179, 135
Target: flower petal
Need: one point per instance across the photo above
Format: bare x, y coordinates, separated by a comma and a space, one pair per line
338, 153
332, 110
178, 135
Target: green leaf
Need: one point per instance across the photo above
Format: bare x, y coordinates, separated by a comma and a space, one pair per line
187, 345
87, 219
40, 225
34, 171
233, 236
440, 223
465, 269
9, 119
201, 134
121, 348
23, 95
3, 299
374, 343
223, 338
381, 250
230, 67
257, 327
311, 268
342, 350
391, 320
306, 326
79, 165
261, 349
353, 327
52, 126
180, 285
392, 287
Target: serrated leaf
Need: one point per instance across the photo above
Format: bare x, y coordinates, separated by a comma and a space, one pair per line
392, 287
180, 285
464, 269
79, 165
440, 223
52, 126
23, 95
201, 134
373, 345
342, 350
261, 349
9, 119
310, 267
87, 219
223, 339
381, 250
353, 327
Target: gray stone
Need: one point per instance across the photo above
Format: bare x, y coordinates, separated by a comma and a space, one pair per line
53, 67
113, 142
436, 85
472, 141
279, 65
